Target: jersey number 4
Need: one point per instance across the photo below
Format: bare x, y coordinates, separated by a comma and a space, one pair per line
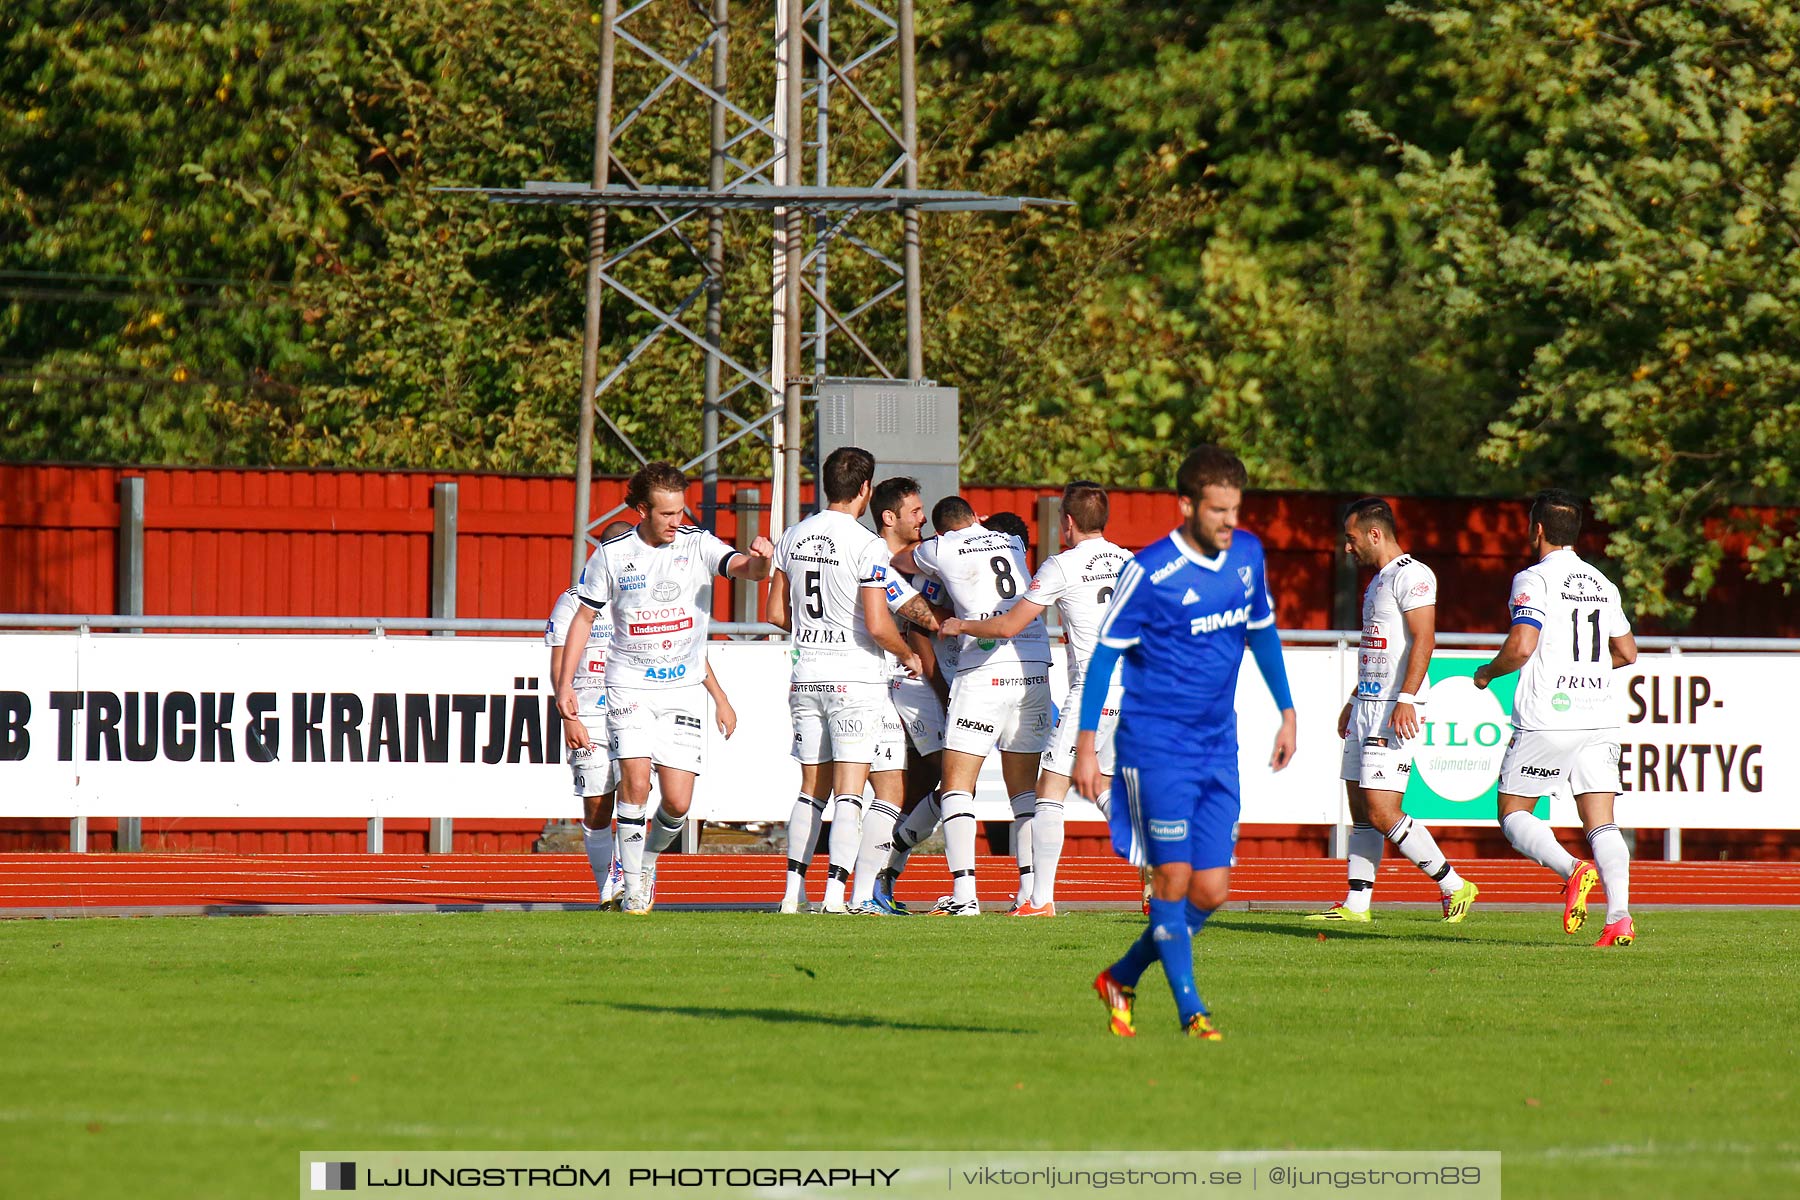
1593, 618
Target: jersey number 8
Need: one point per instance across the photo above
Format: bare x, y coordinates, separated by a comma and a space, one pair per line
1004, 582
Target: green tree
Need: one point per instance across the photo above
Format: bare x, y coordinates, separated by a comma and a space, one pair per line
1647, 248
221, 244
1240, 268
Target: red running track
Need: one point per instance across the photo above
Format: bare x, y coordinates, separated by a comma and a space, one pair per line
43, 884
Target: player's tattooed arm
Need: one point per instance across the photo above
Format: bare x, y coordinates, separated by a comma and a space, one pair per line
919, 611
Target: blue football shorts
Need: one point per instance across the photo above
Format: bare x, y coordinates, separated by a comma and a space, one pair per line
1180, 811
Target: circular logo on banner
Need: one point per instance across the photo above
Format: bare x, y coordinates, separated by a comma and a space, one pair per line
1464, 740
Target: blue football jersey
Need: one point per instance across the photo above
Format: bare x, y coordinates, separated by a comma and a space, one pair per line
1181, 621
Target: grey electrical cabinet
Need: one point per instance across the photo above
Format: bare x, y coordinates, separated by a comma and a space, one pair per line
910, 428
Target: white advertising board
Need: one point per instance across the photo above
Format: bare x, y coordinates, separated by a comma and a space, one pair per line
278, 726
203, 726
1700, 747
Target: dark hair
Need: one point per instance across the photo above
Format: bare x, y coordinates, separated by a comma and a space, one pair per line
845, 472
1372, 510
1559, 512
889, 494
1209, 466
654, 477
951, 510
614, 529
1009, 522
1084, 502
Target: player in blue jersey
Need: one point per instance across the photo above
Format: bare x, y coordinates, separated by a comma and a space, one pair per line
1183, 613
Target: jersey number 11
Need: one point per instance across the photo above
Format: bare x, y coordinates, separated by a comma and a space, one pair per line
1593, 618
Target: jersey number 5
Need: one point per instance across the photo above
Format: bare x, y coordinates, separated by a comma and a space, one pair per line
815, 596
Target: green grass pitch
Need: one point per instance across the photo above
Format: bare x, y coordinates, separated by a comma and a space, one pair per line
198, 1057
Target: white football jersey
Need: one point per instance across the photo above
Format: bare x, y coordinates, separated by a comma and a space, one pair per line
590, 672
660, 602
984, 573
1568, 681
1397, 589
829, 558
1079, 581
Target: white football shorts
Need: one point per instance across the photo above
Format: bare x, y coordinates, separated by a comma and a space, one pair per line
890, 743
666, 726
1538, 761
1375, 755
1059, 759
836, 722
1005, 705
921, 712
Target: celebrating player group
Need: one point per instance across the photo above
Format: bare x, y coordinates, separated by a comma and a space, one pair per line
915, 658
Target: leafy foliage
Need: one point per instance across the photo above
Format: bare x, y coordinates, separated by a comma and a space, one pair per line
1479, 245
1649, 243
1256, 275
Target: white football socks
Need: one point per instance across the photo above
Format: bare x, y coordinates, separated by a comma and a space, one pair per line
872, 855
846, 839
1415, 841
1046, 849
664, 829
919, 824
1024, 808
1534, 839
1366, 844
631, 845
1613, 859
599, 846
802, 836
959, 844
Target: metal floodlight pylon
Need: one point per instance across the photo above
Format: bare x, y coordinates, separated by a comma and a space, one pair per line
756, 161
